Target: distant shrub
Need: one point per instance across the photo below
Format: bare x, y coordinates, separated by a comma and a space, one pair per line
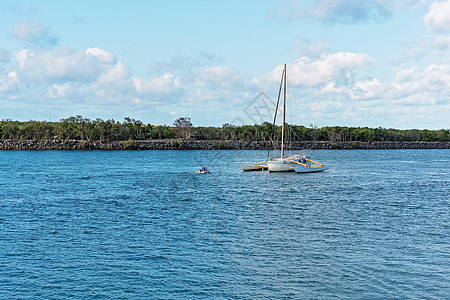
129, 145
177, 144
84, 145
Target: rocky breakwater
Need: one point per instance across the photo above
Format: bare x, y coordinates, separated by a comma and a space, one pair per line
129, 145
370, 145
206, 145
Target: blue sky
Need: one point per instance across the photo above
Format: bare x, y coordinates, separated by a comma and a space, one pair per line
350, 62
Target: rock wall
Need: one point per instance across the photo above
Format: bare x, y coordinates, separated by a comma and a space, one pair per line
206, 145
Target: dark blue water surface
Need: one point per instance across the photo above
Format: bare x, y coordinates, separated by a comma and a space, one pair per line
142, 224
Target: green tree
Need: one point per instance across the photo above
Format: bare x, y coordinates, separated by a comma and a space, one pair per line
183, 127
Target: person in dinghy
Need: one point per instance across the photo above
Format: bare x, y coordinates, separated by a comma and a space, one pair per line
203, 170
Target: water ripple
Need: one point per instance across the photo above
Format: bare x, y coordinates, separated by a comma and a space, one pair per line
142, 224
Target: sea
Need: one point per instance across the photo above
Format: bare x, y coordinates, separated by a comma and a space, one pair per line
144, 225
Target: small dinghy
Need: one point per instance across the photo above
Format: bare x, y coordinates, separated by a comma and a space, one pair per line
203, 170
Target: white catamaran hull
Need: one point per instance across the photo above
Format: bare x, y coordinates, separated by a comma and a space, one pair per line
281, 166
302, 169
255, 167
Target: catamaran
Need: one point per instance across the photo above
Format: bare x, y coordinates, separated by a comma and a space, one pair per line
300, 163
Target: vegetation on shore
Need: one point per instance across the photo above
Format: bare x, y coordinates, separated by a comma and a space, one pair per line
81, 128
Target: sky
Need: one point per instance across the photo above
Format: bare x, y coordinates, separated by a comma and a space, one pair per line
360, 63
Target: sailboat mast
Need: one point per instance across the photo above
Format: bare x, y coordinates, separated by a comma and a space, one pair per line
284, 112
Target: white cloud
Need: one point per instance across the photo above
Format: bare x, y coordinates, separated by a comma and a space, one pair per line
367, 89
333, 85
340, 11
331, 88
65, 90
61, 65
435, 79
162, 85
103, 56
91, 75
116, 74
338, 68
430, 85
114, 84
95, 76
328, 99
9, 83
34, 32
438, 17
220, 84
215, 77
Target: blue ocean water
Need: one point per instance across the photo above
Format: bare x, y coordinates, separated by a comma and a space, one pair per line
142, 224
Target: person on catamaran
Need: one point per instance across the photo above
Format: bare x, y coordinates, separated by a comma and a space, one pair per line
204, 169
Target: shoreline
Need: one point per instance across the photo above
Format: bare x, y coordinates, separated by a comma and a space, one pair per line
208, 145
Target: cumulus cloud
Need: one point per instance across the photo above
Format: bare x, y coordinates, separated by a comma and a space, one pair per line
215, 77
9, 83
159, 85
409, 83
112, 86
338, 68
220, 84
340, 11
330, 82
116, 74
435, 78
91, 75
67, 90
405, 101
34, 32
101, 55
61, 65
4, 55
368, 89
334, 90
438, 18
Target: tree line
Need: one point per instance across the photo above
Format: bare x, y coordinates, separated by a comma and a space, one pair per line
81, 128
